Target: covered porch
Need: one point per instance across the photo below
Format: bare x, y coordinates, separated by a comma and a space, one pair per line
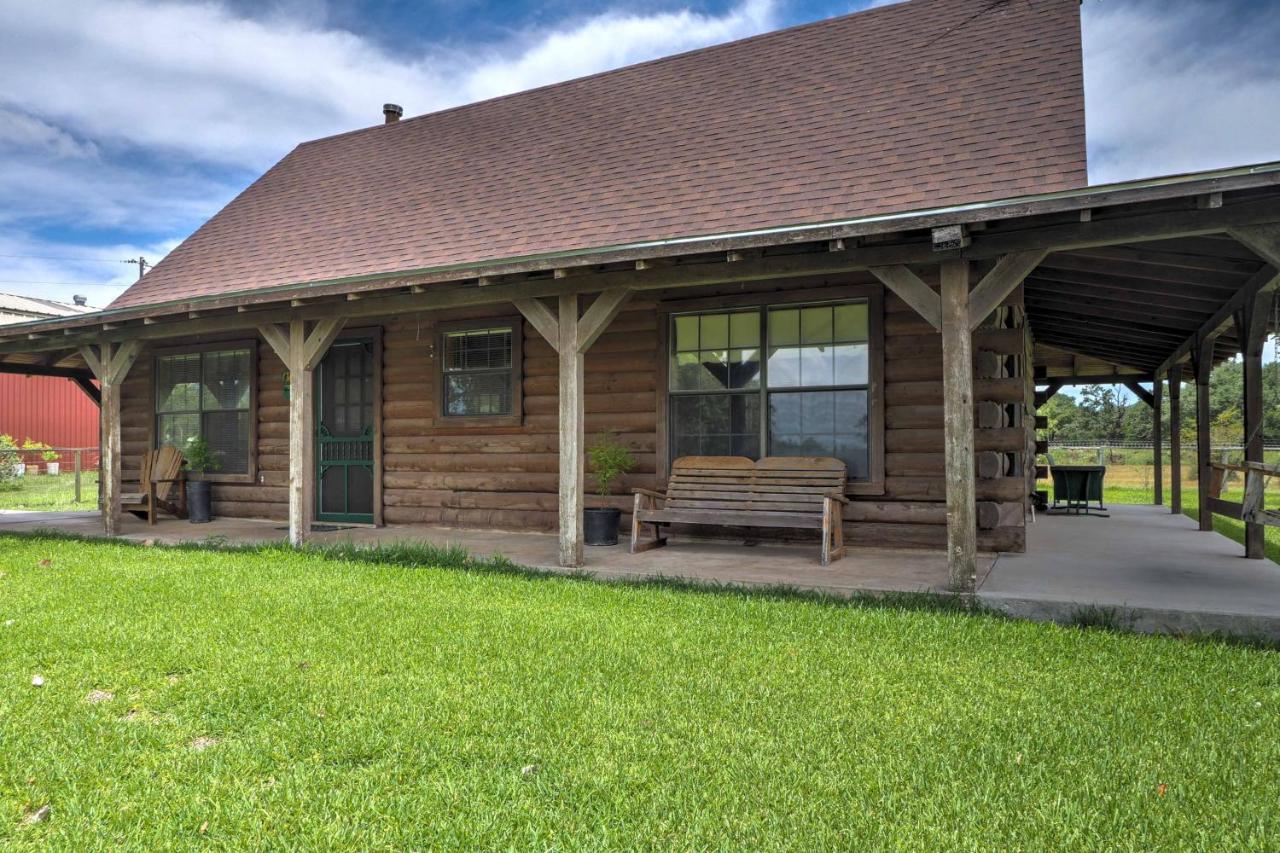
1147, 277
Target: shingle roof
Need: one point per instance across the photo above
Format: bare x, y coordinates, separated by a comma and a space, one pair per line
916, 105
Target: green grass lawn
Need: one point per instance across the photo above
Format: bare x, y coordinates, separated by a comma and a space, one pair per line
44, 493
277, 699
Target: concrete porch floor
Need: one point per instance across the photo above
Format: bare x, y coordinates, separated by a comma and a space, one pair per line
1152, 570
864, 569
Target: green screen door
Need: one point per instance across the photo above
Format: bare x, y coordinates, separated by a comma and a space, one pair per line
345, 397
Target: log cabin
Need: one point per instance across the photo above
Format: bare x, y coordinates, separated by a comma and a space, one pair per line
870, 238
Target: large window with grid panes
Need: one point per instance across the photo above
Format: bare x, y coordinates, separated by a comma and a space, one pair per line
207, 394
787, 379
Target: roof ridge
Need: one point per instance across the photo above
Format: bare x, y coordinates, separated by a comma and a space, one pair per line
657, 60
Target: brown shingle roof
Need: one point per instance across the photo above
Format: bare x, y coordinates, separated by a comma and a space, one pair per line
922, 104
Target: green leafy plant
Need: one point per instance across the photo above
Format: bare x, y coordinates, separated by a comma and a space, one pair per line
47, 453
9, 458
201, 459
609, 461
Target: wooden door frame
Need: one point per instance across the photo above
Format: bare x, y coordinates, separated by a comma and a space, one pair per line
374, 334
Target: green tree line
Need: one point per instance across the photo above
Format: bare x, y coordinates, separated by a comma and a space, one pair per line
1100, 412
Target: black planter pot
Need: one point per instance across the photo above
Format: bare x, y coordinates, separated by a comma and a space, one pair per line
600, 525
199, 501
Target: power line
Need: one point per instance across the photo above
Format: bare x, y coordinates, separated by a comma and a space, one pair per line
67, 283
68, 258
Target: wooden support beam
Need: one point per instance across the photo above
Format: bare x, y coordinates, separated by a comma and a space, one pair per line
996, 285
912, 289
302, 350
1262, 240
90, 390
1175, 439
1251, 332
598, 317
542, 318
1042, 397
957, 394
1157, 440
110, 363
1265, 280
1141, 393
572, 433
1202, 364
571, 336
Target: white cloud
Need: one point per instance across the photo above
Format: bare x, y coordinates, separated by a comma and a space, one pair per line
20, 131
197, 79
1177, 87
609, 41
147, 116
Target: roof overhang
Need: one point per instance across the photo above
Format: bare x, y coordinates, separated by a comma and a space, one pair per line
1180, 206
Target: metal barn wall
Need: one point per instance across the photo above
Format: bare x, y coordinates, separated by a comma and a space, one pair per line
47, 409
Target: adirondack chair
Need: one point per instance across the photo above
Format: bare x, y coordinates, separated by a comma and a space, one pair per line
160, 477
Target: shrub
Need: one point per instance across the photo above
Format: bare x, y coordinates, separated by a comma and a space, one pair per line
200, 457
609, 461
9, 458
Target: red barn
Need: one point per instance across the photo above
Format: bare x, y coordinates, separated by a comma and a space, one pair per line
50, 409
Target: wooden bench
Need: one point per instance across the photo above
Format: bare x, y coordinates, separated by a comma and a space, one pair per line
804, 492
163, 468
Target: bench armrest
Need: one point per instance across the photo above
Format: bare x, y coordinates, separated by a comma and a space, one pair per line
649, 493
836, 496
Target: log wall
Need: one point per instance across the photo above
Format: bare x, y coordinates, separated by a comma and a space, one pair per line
469, 475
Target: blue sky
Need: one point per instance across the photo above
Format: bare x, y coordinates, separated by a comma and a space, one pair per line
124, 124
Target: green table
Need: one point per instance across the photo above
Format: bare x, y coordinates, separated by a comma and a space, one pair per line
1077, 487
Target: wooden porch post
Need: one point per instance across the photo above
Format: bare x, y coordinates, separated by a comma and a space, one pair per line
1157, 444
110, 363
957, 395
1202, 364
572, 432
1251, 332
571, 335
1175, 439
301, 352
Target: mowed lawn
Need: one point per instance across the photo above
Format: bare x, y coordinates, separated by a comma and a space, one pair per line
273, 699
43, 493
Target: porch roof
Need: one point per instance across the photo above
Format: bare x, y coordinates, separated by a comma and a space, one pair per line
1136, 273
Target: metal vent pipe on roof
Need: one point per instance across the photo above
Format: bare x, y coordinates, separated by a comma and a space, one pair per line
80, 300
392, 112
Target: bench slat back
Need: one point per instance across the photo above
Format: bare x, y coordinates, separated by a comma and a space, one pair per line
786, 484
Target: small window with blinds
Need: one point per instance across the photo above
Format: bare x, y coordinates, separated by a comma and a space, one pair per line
207, 394
480, 371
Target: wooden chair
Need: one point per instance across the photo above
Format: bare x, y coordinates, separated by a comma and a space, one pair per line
804, 492
161, 474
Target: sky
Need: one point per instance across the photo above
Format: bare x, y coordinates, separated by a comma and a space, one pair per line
124, 124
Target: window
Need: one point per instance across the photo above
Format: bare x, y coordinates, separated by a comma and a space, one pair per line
206, 394
792, 379
479, 375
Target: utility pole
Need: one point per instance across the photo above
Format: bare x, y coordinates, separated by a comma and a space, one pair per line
142, 265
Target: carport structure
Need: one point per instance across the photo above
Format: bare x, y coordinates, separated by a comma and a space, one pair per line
1150, 281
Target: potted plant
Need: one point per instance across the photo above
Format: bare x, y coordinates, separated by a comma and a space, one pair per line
609, 461
200, 461
50, 456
